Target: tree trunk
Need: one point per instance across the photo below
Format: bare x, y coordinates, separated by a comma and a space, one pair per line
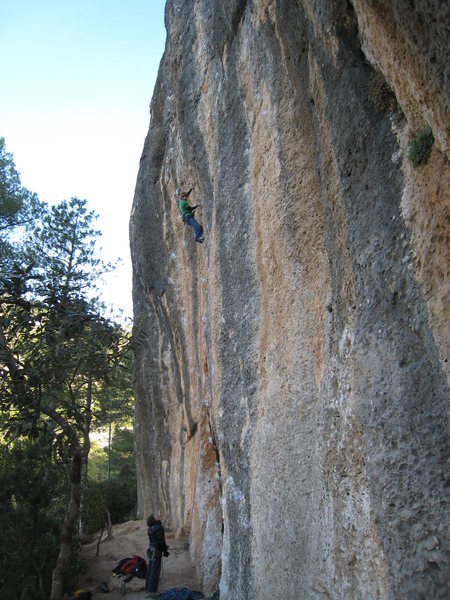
108, 522
109, 439
39, 568
70, 520
99, 540
86, 447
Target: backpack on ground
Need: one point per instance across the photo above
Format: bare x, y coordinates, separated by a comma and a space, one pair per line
136, 566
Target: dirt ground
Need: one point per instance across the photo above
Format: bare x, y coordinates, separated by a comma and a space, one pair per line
128, 539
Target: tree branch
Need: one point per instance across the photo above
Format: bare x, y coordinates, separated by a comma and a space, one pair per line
7, 358
59, 419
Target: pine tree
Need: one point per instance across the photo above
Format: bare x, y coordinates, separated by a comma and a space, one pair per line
58, 354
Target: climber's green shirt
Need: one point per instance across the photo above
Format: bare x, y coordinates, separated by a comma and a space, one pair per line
185, 209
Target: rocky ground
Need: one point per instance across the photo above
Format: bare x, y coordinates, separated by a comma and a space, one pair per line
128, 539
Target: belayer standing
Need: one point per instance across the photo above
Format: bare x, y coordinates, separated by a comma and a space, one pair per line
187, 213
157, 548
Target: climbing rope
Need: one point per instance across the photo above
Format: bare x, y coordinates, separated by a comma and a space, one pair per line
177, 550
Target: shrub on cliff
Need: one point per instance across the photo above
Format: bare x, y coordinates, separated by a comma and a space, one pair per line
420, 146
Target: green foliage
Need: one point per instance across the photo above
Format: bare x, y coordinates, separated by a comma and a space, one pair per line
93, 512
68, 352
66, 267
10, 188
117, 496
19, 208
33, 495
121, 455
380, 94
120, 498
122, 450
115, 400
61, 361
420, 146
16, 202
98, 462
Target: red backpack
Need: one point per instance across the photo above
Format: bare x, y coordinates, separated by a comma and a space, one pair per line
131, 567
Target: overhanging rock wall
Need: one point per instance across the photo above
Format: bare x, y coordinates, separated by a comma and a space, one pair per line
291, 373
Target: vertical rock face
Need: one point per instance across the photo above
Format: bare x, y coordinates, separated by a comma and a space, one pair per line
291, 373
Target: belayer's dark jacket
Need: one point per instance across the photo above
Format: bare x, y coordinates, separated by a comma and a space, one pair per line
157, 539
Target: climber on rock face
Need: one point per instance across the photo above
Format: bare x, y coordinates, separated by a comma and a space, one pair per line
187, 214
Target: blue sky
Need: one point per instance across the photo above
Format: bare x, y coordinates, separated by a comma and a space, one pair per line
77, 77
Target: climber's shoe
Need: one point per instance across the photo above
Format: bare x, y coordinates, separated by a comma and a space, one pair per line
200, 240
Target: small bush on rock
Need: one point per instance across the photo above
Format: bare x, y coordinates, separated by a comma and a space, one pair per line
420, 146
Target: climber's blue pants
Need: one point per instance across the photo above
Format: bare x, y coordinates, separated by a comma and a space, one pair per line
198, 229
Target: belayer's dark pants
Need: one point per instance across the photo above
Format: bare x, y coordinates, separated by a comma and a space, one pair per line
198, 229
153, 573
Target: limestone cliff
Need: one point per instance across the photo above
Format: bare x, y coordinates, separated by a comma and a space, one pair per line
291, 374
